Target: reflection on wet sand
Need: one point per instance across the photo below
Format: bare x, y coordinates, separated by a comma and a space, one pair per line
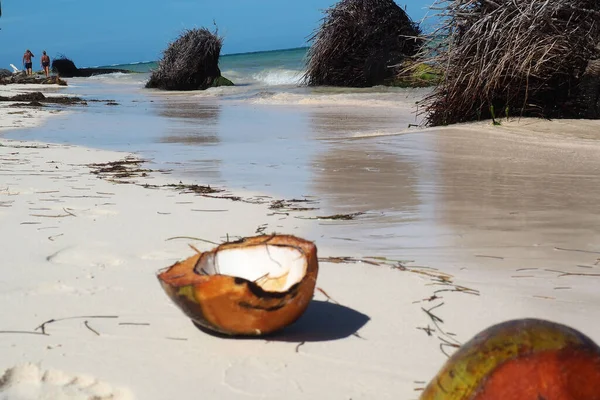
516, 192
455, 195
354, 177
190, 123
367, 175
359, 175
347, 123
197, 122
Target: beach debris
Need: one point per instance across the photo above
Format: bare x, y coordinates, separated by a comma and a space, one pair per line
337, 217
291, 205
42, 326
87, 325
38, 97
358, 42
126, 168
251, 287
447, 339
514, 58
23, 78
191, 62
193, 188
521, 359
191, 238
67, 69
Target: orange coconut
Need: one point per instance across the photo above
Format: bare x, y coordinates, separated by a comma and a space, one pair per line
521, 359
254, 286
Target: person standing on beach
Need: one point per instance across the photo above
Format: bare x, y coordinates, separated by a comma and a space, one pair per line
27, 61
45, 63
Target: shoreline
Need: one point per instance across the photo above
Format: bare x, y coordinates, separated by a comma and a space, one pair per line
83, 246
15, 118
82, 243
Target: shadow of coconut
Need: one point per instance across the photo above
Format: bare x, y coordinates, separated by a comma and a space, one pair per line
323, 321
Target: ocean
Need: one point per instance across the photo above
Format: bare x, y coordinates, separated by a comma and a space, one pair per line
277, 67
267, 77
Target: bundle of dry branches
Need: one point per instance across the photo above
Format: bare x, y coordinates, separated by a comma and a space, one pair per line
513, 57
358, 43
189, 63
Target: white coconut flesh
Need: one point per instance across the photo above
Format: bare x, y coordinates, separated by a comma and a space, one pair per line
273, 268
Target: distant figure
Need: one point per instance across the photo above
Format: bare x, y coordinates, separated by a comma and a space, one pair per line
45, 63
27, 61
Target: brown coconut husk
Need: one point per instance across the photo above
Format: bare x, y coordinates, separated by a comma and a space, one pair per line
514, 58
232, 305
359, 42
191, 62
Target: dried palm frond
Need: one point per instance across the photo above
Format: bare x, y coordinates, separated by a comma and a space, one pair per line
359, 43
189, 63
514, 57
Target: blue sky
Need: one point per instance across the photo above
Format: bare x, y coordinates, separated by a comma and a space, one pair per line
122, 31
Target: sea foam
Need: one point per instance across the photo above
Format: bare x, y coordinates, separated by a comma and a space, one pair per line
278, 77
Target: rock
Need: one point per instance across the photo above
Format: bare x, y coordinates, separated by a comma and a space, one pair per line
67, 69
22, 78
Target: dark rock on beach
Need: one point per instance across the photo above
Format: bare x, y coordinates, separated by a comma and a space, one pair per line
22, 78
30, 104
67, 69
190, 63
37, 98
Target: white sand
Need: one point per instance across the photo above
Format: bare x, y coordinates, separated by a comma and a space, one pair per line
26, 117
74, 245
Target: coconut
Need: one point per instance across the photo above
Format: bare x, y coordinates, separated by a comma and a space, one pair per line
521, 359
254, 286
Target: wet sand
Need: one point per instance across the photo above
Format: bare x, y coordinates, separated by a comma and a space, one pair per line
463, 191
506, 214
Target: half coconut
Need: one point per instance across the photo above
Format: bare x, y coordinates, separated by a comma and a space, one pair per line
521, 359
254, 286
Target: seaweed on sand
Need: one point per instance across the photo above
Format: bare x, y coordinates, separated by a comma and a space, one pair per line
359, 42
189, 63
38, 97
518, 57
127, 168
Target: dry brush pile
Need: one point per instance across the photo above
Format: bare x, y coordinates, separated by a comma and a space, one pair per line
518, 58
189, 63
359, 42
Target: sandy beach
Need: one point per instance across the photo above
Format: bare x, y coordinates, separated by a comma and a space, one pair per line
463, 227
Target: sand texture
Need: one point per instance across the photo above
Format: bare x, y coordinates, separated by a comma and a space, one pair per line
503, 224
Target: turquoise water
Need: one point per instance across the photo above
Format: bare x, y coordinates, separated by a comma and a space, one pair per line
269, 67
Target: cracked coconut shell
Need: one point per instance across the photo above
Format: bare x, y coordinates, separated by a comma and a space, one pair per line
254, 286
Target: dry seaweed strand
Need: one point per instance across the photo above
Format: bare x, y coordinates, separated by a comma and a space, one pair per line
87, 325
437, 277
515, 58
42, 326
359, 42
